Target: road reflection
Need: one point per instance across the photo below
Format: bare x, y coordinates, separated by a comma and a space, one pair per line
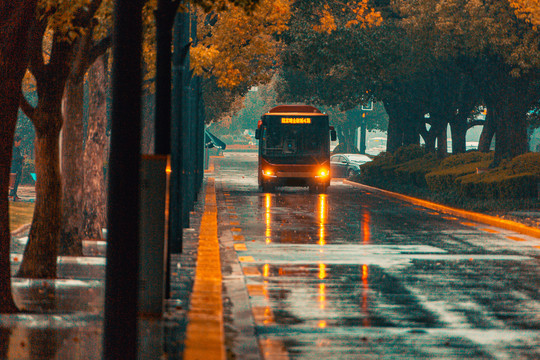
323, 215
268, 217
366, 222
365, 292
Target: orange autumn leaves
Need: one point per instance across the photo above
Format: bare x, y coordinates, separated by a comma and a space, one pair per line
239, 48
357, 13
528, 10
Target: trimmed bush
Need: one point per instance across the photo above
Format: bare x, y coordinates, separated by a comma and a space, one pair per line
499, 184
526, 163
408, 153
466, 158
414, 171
446, 179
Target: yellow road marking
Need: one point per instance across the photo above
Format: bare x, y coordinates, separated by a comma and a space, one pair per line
238, 237
486, 219
251, 271
468, 224
515, 238
273, 349
450, 218
255, 289
233, 216
205, 336
246, 259
240, 247
490, 230
234, 223
263, 315
236, 229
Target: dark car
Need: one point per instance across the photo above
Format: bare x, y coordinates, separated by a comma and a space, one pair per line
347, 165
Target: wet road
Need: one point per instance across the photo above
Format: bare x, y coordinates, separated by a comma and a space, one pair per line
354, 275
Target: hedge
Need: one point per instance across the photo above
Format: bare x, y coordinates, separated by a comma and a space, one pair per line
515, 178
499, 184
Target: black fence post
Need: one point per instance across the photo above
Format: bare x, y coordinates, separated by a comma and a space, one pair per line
177, 181
122, 270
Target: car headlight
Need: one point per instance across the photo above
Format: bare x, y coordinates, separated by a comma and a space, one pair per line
268, 172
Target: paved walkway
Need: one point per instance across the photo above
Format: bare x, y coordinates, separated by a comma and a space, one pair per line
63, 318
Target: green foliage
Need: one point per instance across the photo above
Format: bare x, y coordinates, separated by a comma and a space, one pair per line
446, 176
526, 163
499, 184
408, 153
28, 168
414, 171
465, 158
459, 176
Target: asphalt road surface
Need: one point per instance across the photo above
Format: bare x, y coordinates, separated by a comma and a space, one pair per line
354, 275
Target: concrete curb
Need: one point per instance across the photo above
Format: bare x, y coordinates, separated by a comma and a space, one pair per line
481, 218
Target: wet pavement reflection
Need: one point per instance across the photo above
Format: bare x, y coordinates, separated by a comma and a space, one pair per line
350, 275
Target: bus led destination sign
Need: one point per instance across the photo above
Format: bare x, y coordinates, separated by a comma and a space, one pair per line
287, 120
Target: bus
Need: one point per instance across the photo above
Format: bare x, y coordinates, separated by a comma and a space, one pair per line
294, 148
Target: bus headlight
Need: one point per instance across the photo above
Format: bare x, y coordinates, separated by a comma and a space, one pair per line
269, 173
322, 173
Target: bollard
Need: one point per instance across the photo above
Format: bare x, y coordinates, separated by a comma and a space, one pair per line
153, 234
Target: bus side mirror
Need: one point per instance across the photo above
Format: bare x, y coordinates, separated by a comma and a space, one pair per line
333, 135
258, 134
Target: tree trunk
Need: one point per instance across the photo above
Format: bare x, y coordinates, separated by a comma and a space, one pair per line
429, 139
394, 134
40, 254
442, 143
363, 133
511, 132
72, 169
95, 153
346, 139
410, 129
15, 20
458, 127
488, 131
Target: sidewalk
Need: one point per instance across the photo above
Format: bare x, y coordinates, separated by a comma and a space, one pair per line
63, 318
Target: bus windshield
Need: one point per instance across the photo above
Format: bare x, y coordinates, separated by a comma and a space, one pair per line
295, 141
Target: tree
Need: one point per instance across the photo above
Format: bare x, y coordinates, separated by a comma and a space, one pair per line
236, 50
51, 75
324, 45
499, 51
528, 10
95, 152
15, 20
87, 50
